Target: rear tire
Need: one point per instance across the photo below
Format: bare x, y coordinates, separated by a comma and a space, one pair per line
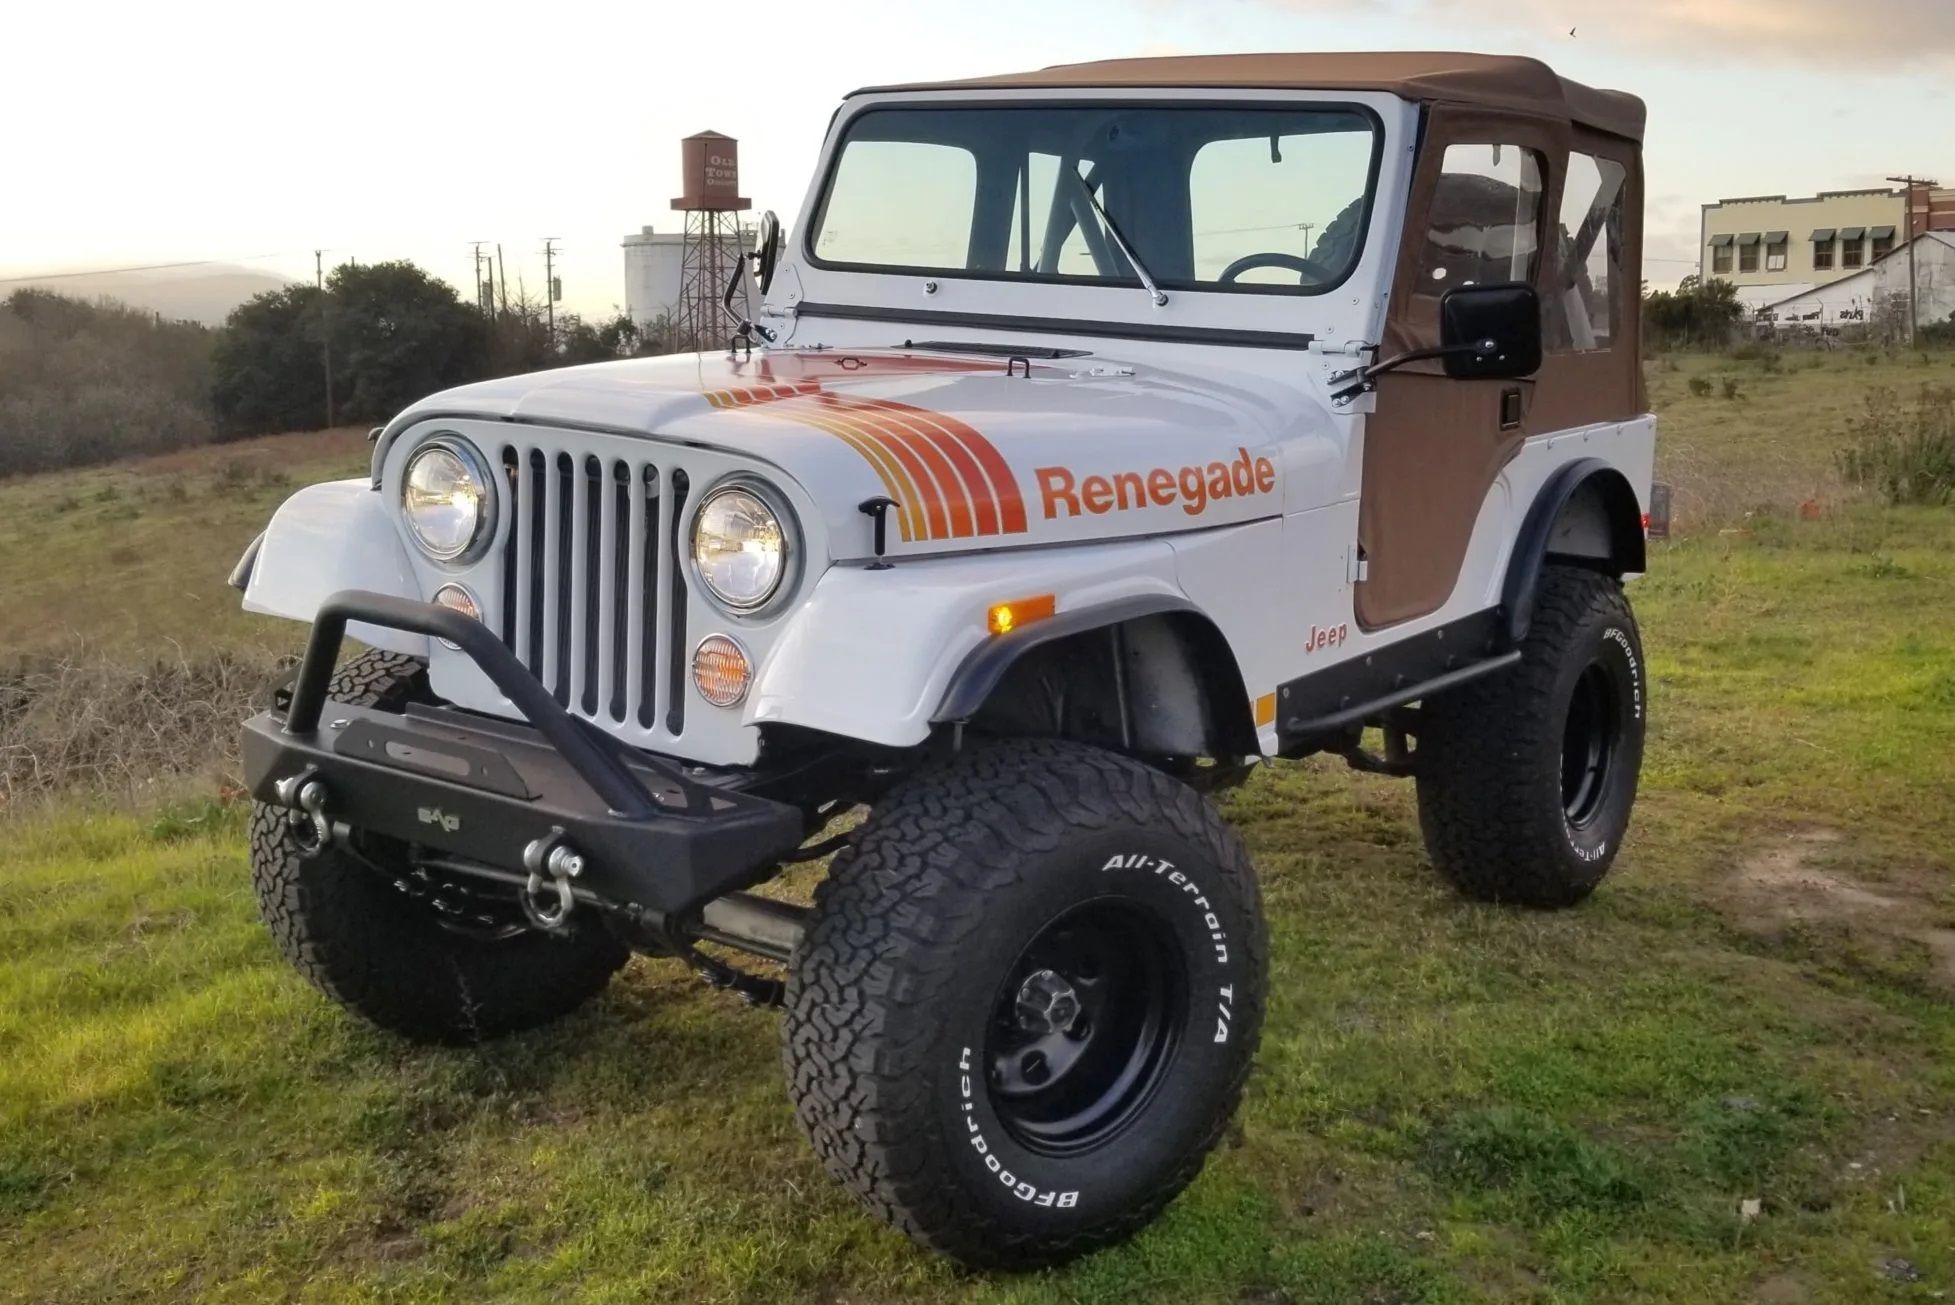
1527, 777
390, 957
1026, 1002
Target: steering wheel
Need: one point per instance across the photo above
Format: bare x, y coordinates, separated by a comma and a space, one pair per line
1303, 267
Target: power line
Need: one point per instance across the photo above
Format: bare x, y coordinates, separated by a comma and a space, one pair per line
146, 267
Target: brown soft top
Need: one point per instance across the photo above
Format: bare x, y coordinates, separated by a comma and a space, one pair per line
1506, 82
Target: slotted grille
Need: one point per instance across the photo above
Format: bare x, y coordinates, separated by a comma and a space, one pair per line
592, 602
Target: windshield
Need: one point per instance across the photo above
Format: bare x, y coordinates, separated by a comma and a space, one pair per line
1246, 199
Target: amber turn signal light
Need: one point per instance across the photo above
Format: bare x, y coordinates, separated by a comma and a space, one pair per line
720, 670
1003, 618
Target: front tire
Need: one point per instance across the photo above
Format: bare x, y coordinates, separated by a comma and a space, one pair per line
1027, 1001
1527, 777
388, 955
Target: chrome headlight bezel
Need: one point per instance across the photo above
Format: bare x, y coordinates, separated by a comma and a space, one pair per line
777, 506
486, 504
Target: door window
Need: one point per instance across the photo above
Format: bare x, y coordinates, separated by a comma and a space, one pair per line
1581, 313
1486, 218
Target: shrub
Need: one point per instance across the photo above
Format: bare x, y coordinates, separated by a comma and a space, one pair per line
86, 724
1697, 314
84, 383
1905, 453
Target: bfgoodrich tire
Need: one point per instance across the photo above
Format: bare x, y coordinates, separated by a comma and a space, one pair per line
1026, 1002
389, 955
1526, 778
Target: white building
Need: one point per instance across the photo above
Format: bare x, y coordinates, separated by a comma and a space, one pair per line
1852, 300
652, 273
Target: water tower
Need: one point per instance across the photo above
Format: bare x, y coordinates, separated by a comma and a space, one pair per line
710, 177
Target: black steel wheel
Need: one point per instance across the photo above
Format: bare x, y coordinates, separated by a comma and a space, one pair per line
1085, 1026
1026, 1001
1590, 744
1527, 777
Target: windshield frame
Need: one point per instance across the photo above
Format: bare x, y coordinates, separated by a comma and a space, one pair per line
1374, 123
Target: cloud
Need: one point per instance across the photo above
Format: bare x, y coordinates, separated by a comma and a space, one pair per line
1896, 34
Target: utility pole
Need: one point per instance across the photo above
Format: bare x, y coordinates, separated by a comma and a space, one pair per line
325, 335
1308, 227
550, 285
481, 303
502, 277
1913, 299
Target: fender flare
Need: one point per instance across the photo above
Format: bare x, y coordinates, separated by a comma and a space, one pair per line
1628, 550
325, 538
981, 672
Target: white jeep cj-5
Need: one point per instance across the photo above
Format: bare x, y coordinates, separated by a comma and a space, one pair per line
1101, 432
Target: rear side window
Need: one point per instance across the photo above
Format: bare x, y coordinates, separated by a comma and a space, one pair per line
1486, 218
1581, 312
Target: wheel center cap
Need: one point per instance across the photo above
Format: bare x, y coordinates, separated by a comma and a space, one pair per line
1046, 1003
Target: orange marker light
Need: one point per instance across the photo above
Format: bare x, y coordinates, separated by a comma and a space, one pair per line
720, 670
1003, 618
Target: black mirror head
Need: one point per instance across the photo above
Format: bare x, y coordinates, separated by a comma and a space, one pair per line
767, 249
1491, 332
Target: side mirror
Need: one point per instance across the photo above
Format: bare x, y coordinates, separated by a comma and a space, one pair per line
1490, 332
767, 249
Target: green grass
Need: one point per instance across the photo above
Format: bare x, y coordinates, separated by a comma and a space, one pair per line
1772, 446
125, 558
1453, 1102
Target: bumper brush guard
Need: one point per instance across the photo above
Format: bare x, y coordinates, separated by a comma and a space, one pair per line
556, 808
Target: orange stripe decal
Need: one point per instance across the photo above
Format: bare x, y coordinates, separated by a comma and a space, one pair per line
978, 492
947, 480
955, 494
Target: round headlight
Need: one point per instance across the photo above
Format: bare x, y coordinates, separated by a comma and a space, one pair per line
739, 548
444, 498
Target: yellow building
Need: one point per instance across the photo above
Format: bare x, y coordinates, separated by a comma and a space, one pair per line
1772, 247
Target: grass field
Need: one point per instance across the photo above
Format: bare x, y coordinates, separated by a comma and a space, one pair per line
1453, 1103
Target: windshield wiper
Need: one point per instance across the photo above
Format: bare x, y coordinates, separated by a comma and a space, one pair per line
994, 349
1126, 250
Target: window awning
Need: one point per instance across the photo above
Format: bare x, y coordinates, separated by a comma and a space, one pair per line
1881, 233
1719, 242
1776, 237
1823, 236
1748, 238
1852, 233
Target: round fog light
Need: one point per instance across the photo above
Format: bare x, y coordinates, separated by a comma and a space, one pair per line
720, 670
457, 599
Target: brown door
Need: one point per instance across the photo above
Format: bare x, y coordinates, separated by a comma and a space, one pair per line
1434, 446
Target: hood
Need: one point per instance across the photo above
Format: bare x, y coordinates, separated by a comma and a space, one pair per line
971, 451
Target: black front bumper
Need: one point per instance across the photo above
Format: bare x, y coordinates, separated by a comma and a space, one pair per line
652, 836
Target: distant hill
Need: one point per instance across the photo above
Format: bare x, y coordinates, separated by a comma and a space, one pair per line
199, 294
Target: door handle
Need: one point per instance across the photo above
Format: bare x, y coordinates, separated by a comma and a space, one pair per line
1510, 408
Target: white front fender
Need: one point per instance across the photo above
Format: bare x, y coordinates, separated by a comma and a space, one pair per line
331, 537
870, 653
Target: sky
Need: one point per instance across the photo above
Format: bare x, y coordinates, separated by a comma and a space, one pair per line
256, 133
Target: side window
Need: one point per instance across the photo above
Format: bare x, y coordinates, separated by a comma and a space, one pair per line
1486, 218
928, 225
1581, 314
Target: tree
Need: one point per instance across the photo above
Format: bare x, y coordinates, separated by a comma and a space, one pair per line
1695, 314
265, 368
396, 334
